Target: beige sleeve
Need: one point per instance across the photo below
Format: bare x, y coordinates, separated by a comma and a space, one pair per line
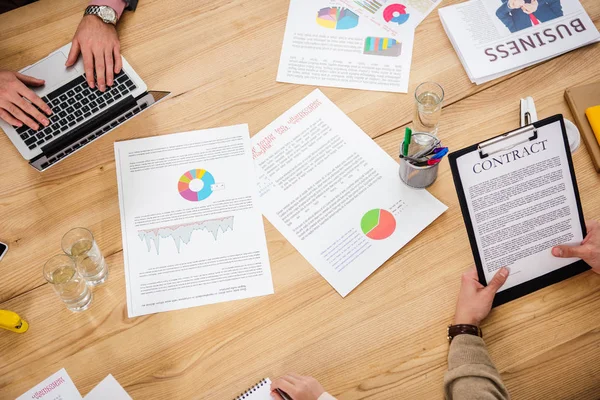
326, 396
471, 373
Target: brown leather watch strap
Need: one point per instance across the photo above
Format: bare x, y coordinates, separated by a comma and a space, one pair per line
463, 329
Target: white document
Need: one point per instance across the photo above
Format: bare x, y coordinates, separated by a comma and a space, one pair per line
108, 389
399, 14
56, 387
522, 203
328, 44
192, 234
492, 39
334, 194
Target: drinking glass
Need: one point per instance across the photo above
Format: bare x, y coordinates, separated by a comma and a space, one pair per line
60, 271
429, 97
79, 243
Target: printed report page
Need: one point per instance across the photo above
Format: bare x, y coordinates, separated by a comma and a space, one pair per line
522, 203
334, 193
192, 232
328, 44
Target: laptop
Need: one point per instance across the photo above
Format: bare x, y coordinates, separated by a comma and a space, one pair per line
80, 115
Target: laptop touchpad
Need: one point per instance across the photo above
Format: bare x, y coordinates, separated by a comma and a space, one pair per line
52, 69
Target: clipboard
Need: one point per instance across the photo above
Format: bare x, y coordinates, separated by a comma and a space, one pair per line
486, 151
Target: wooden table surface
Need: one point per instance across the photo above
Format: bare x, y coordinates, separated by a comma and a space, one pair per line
386, 340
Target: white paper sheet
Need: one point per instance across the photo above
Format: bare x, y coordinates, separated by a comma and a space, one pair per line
327, 44
58, 386
399, 14
491, 40
522, 203
334, 194
192, 234
108, 389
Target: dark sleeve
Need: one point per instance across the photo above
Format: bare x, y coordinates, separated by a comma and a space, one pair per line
504, 15
131, 4
556, 7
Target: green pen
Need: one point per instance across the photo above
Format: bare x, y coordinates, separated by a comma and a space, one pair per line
407, 138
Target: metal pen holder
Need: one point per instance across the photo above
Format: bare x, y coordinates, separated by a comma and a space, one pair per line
415, 176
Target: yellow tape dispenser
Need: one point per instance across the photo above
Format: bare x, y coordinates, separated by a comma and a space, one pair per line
11, 321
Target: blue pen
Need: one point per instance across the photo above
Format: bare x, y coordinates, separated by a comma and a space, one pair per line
440, 153
439, 149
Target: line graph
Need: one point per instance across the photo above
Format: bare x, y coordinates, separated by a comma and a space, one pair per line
182, 233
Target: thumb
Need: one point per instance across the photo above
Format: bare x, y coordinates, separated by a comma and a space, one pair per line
30, 80
498, 280
568, 251
73, 54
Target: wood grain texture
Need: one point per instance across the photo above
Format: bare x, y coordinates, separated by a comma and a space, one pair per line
385, 340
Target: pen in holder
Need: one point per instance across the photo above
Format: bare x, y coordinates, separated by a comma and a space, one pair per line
414, 169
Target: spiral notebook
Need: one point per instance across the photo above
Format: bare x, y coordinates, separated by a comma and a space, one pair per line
260, 391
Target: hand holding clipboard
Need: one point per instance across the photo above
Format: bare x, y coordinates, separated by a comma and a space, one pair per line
519, 199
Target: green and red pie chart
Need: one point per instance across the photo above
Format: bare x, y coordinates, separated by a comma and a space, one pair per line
378, 224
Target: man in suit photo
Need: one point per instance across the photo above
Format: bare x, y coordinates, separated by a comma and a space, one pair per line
522, 14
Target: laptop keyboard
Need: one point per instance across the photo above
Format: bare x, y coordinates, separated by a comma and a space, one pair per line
73, 103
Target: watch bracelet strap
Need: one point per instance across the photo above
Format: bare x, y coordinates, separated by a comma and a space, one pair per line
463, 329
92, 10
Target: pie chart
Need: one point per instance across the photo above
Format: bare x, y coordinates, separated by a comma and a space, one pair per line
337, 18
396, 13
378, 224
195, 185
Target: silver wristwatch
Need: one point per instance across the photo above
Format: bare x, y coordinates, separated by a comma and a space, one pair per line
105, 13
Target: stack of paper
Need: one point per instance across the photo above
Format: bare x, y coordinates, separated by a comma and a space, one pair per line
356, 44
494, 38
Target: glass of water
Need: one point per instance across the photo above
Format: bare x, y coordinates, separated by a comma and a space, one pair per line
79, 243
60, 271
429, 97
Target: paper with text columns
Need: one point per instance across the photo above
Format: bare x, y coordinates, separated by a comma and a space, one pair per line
192, 233
334, 193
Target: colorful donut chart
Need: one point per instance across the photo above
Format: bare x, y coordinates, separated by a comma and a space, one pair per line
184, 185
400, 17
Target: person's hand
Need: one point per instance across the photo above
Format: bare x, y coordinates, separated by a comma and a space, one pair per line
588, 251
14, 108
99, 44
474, 299
530, 8
516, 3
298, 387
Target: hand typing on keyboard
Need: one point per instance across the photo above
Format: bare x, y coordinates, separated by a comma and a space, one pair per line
16, 101
99, 44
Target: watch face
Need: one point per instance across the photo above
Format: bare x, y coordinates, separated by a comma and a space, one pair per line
108, 14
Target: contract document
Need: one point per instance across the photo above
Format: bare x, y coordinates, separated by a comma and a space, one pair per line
192, 234
334, 194
328, 44
519, 198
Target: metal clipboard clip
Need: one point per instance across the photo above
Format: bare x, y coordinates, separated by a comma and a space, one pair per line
530, 130
528, 117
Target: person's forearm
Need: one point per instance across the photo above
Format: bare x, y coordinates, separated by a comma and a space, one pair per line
471, 373
117, 5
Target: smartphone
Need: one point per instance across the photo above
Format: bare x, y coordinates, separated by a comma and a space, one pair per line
3, 249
